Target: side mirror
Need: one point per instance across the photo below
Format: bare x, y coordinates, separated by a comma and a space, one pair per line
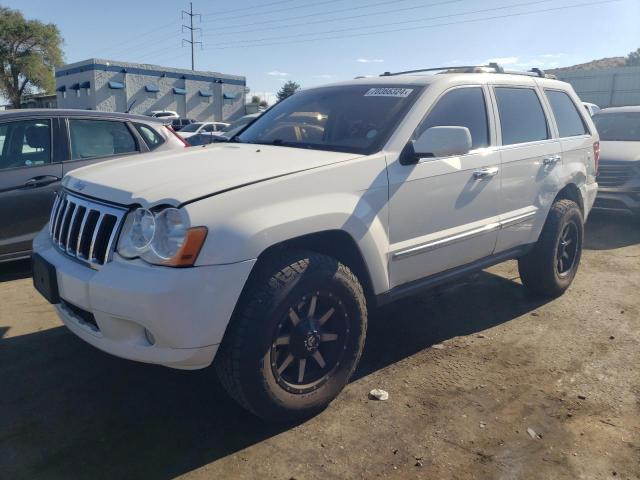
443, 142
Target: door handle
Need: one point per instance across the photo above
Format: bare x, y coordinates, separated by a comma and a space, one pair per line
40, 181
486, 172
552, 160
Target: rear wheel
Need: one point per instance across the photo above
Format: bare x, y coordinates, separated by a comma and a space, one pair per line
295, 338
551, 266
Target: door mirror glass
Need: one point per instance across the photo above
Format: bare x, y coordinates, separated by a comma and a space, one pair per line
443, 142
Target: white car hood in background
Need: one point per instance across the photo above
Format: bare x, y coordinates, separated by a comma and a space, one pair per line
619, 151
179, 176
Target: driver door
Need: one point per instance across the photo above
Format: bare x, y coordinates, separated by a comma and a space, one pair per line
444, 211
29, 178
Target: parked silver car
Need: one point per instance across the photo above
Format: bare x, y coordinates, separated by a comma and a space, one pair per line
619, 172
39, 146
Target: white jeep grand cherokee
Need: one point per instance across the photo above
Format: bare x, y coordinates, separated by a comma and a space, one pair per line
266, 253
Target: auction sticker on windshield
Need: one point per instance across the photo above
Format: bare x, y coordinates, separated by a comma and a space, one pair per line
389, 92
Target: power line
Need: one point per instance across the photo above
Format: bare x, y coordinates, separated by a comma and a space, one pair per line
349, 9
459, 22
191, 29
253, 7
138, 36
404, 22
363, 15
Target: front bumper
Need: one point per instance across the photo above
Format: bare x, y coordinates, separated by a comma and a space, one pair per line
623, 200
174, 317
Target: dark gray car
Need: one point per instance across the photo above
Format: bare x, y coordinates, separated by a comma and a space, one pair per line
619, 172
39, 146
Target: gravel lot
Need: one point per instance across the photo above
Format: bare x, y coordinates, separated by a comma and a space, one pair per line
502, 364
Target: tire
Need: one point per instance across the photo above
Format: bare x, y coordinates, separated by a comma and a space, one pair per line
253, 361
551, 266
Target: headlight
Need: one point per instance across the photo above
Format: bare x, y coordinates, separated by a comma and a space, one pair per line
161, 238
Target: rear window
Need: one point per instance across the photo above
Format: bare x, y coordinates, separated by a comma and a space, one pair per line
570, 123
522, 118
618, 127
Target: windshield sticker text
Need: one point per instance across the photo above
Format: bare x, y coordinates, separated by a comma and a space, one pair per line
389, 92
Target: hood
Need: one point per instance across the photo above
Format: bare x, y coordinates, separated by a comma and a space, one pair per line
179, 176
619, 151
186, 134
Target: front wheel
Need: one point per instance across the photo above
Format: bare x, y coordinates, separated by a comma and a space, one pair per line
296, 336
551, 266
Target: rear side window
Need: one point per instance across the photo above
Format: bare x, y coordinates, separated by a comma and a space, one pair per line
570, 123
99, 138
26, 143
150, 136
521, 116
462, 107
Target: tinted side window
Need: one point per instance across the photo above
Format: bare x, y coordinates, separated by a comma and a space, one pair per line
25, 144
151, 137
462, 107
99, 138
570, 123
521, 116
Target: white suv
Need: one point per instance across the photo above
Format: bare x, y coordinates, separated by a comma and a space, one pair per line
267, 252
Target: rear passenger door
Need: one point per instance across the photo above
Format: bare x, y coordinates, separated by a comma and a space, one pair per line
30, 173
575, 138
92, 141
528, 154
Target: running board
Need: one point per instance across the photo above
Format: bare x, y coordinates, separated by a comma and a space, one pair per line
418, 286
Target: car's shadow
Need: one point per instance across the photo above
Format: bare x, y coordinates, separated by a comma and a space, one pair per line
69, 410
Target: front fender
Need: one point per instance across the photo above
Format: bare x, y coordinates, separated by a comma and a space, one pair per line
352, 198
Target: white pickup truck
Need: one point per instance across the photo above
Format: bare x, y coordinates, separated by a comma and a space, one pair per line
263, 255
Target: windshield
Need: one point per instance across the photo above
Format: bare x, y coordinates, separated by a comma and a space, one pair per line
620, 127
353, 118
192, 127
241, 122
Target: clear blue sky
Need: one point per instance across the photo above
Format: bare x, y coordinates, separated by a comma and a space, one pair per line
319, 41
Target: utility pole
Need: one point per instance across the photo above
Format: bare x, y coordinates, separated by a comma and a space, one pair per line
191, 29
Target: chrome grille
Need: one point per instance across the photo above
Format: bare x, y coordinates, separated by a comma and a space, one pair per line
85, 229
614, 175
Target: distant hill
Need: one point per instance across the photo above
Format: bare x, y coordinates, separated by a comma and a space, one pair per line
603, 63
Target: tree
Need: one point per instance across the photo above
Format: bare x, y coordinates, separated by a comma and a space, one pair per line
633, 59
288, 89
29, 51
255, 99
263, 103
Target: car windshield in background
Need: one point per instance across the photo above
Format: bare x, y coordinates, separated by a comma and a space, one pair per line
354, 118
618, 127
192, 127
241, 122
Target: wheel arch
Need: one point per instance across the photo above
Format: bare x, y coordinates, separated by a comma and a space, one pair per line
338, 244
571, 192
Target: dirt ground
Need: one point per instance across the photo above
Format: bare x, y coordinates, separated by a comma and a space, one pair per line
484, 382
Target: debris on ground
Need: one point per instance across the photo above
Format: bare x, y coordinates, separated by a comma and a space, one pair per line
378, 394
438, 346
582, 397
532, 433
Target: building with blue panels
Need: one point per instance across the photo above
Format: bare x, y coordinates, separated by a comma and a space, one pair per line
111, 86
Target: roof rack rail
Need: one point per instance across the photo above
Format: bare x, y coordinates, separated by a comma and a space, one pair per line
490, 68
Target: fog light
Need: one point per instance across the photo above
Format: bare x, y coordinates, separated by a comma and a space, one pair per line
149, 336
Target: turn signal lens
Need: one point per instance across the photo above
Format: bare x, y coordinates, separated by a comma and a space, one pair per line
188, 252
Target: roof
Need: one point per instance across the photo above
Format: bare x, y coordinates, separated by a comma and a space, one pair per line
146, 69
629, 109
431, 78
68, 112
